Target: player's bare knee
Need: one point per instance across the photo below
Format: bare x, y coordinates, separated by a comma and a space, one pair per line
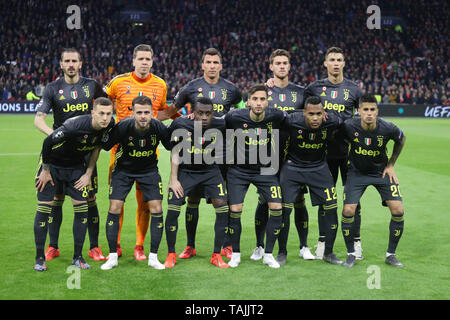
49, 203
396, 208
115, 206
59, 197
218, 202
236, 207
155, 206
349, 210
78, 202
193, 200
275, 205
92, 198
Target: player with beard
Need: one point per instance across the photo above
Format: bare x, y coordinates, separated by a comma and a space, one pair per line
68, 97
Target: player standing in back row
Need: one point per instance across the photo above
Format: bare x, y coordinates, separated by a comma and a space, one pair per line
339, 96
287, 97
68, 97
122, 90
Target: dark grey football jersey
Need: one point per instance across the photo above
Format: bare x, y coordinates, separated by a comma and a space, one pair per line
199, 145
367, 152
69, 100
341, 99
136, 152
68, 145
263, 142
224, 94
307, 147
289, 98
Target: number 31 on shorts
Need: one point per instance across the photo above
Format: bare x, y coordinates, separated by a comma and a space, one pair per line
276, 192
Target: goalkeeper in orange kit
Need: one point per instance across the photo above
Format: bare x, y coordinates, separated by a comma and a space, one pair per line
122, 90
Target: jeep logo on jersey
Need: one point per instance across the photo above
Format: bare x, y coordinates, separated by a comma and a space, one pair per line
334, 94
74, 94
282, 97
212, 94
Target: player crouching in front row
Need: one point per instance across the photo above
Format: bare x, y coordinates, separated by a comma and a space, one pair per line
63, 165
193, 166
138, 137
369, 165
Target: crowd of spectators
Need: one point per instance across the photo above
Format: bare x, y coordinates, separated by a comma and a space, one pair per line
407, 64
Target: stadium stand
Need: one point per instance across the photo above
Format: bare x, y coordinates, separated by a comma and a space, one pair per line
402, 63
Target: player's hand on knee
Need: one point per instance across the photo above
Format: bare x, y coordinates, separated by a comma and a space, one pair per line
176, 187
389, 170
42, 180
84, 181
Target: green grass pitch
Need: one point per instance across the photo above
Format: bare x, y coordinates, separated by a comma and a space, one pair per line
424, 172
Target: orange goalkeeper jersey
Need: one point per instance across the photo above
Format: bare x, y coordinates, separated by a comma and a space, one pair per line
125, 87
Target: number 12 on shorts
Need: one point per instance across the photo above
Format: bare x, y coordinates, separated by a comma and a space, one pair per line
331, 194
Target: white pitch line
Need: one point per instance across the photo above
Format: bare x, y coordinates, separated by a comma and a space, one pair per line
20, 154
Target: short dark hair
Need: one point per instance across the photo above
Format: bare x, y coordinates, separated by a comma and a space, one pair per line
334, 50
202, 100
368, 98
142, 100
257, 87
70, 50
142, 47
279, 52
102, 101
314, 100
211, 52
